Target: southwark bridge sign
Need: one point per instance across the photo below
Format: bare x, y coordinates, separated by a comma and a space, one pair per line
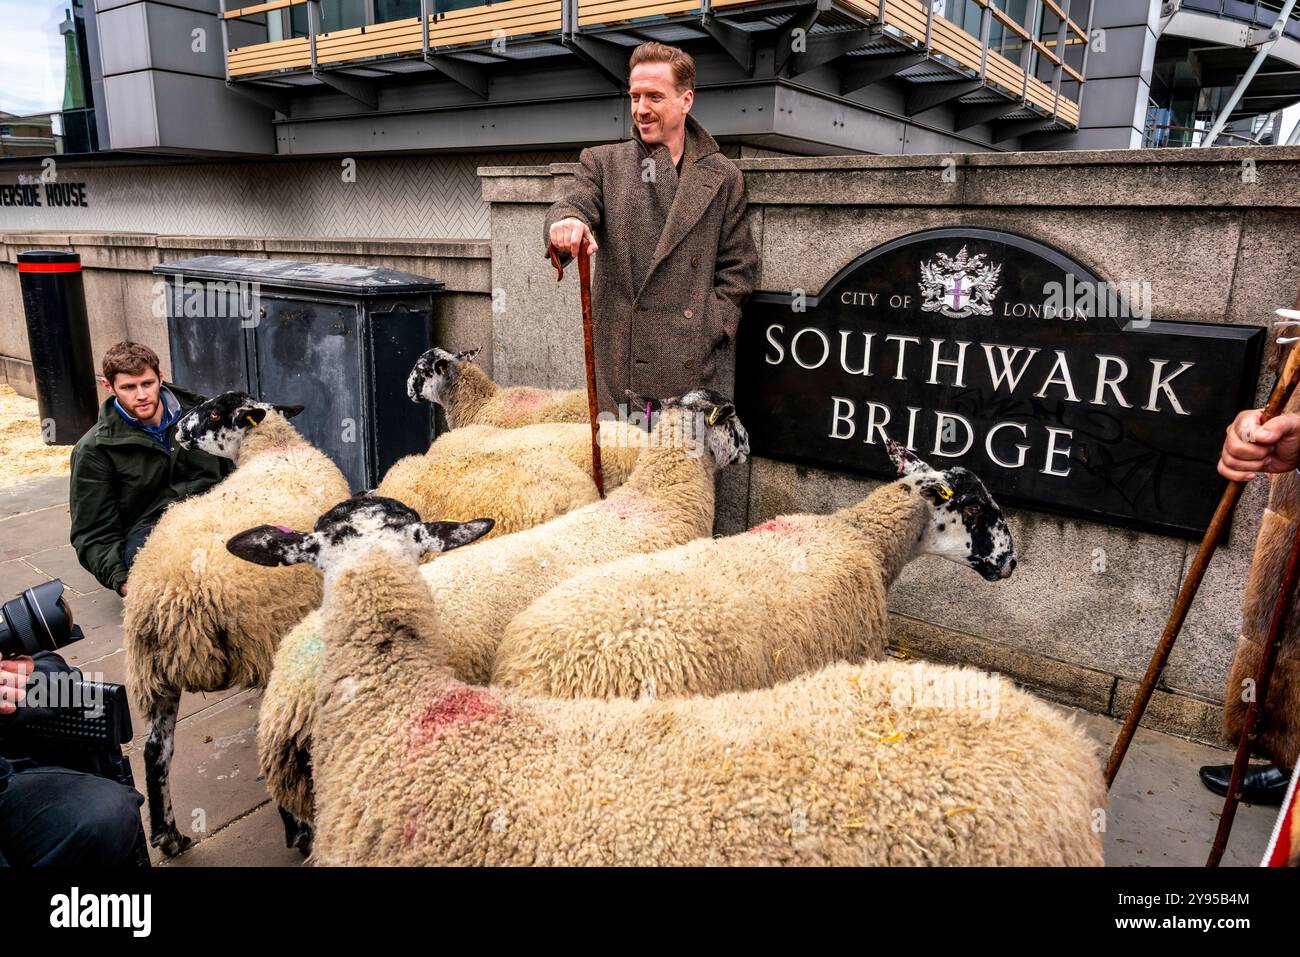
995, 352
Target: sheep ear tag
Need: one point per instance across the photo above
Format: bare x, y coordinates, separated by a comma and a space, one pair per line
943, 491
252, 422
713, 416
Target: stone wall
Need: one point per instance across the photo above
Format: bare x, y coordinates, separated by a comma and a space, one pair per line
123, 297
1213, 231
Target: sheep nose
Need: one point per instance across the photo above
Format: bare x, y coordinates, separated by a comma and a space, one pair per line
1010, 567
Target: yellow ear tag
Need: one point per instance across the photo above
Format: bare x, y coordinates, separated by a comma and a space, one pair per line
252, 423
944, 491
713, 416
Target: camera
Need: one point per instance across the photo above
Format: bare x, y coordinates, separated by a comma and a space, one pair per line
37, 620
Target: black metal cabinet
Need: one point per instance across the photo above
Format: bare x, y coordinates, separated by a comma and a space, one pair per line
338, 339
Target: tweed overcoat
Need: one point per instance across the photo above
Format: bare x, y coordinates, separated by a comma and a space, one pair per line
675, 265
1279, 737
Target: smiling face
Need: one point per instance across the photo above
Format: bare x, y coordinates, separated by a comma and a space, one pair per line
967, 526
352, 528
219, 425
434, 374
658, 108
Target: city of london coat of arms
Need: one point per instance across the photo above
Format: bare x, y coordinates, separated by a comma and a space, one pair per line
959, 287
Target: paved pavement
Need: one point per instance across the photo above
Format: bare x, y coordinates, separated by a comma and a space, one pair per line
1160, 814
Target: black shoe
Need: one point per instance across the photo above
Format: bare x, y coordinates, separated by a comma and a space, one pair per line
1262, 784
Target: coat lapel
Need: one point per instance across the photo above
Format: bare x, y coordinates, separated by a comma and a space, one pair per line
696, 188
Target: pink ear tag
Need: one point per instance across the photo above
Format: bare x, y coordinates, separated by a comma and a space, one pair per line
287, 531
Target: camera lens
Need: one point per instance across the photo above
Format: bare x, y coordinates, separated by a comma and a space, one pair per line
37, 620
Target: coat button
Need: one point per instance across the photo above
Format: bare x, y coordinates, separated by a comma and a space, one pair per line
688, 364
695, 260
688, 313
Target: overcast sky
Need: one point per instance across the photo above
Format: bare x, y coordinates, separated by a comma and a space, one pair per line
31, 56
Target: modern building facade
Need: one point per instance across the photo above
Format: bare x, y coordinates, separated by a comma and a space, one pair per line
220, 78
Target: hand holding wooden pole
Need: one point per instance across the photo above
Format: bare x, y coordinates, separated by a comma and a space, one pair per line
584, 281
1287, 379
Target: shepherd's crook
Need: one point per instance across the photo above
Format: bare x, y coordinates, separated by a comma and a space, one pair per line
1263, 675
1282, 390
584, 282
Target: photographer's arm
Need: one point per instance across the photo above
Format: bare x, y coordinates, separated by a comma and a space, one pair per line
97, 534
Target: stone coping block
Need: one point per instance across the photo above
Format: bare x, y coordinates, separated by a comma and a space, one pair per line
1222, 177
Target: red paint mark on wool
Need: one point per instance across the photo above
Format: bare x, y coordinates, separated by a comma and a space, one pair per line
779, 525
464, 706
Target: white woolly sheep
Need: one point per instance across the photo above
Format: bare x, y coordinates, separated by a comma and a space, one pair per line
851, 765
522, 477
746, 611
193, 620
667, 500
469, 397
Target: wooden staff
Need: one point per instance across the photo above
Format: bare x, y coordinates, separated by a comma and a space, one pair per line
589, 350
1219, 524
1263, 674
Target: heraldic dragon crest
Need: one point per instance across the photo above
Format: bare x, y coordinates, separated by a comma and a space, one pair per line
959, 287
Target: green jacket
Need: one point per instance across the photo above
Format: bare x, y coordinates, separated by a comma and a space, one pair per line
122, 479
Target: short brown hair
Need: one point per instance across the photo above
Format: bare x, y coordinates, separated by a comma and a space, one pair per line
131, 358
683, 63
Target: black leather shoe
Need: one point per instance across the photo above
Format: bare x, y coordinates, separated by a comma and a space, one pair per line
1263, 783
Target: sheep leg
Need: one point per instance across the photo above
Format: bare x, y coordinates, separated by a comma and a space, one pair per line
157, 768
296, 833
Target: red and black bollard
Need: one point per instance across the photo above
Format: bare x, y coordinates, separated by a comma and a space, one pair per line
58, 335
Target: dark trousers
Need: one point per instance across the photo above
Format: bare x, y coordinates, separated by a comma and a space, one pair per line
134, 542
52, 816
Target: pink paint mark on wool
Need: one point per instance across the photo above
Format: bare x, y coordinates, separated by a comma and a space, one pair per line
529, 398
464, 706
780, 525
629, 506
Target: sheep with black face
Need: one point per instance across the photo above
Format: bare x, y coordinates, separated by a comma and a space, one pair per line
194, 619
750, 610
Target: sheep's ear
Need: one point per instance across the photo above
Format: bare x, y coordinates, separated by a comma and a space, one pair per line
274, 545
905, 460
251, 417
444, 536
469, 354
289, 411
720, 413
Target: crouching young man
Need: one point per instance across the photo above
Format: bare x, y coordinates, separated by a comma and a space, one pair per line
129, 467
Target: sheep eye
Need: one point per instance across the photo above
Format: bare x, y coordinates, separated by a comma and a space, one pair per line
971, 510
214, 416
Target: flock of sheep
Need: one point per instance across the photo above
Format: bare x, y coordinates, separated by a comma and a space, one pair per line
587, 680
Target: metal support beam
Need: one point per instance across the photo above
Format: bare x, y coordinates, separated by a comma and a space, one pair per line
796, 30
827, 46
926, 96
225, 40
977, 113
363, 91
469, 75
1083, 65
738, 43
865, 71
1265, 48
1013, 129
605, 57
268, 98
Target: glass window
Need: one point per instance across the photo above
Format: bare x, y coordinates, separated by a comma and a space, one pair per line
45, 91
388, 10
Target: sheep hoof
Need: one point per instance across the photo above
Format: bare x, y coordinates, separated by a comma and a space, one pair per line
171, 842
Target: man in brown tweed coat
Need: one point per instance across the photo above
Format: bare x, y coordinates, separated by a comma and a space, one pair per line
677, 260
1274, 450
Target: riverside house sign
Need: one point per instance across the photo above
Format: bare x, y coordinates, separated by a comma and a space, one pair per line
996, 352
